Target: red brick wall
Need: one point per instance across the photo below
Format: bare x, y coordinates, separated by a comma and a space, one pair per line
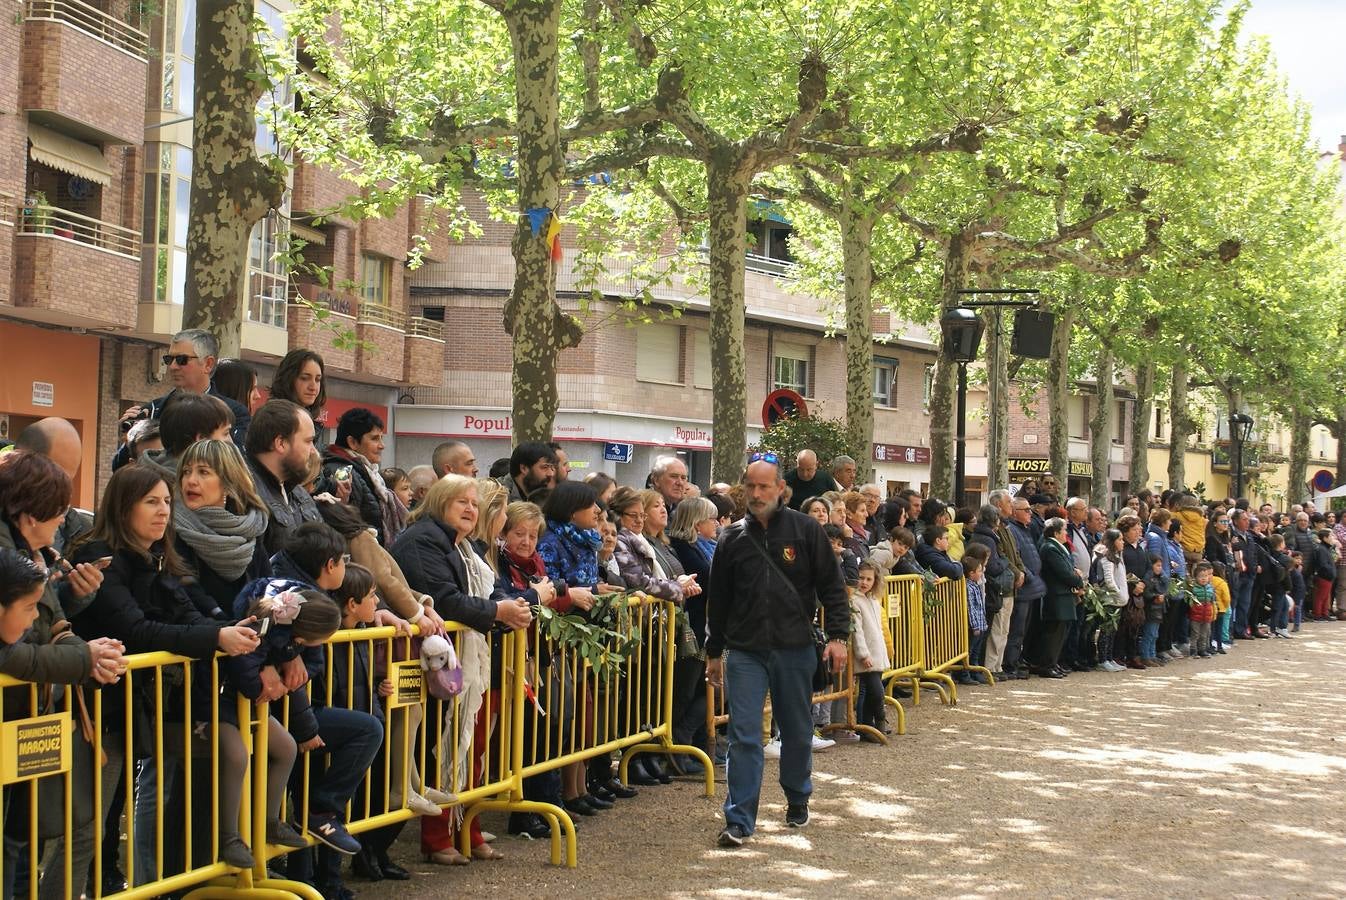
304, 333
77, 76
317, 189
423, 361
383, 358
76, 279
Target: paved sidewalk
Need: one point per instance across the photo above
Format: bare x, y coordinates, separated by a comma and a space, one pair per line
1208, 778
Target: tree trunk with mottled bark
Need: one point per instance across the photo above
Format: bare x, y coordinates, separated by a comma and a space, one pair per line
727, 208
1100, 432
1180, 427
533, 319
942, 393
997, 403
1296, 481
1339, 432
1142, 412
856, 232
1058, 398
232, 189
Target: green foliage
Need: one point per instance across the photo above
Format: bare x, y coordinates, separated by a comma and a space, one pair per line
1097, 604
604, 638
826, 437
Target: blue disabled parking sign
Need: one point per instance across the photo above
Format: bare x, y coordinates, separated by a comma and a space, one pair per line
618, 452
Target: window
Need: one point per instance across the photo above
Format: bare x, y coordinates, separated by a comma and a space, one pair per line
928, 386
1119, 423
885, 381
701, 374
792, 367
1078, 417
374, 277
1160, 432
658, 353
268, 279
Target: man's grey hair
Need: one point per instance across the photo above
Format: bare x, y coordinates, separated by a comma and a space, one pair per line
997, 495
203, 342
1074, 502
661, 464
988, 515
865, 487
842, 460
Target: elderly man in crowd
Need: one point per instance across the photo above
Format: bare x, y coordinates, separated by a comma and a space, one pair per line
669, 478
843, 472
806, 481
453, 458
1020, 646
1001, 626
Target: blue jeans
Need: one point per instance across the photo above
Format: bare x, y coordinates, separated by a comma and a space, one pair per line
1280, 611
1243, 602
1149, 634
788, 676
351, 741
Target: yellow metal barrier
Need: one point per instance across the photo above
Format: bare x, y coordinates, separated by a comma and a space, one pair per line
148, 721
946, 639
427, 743
580, 714
905, 635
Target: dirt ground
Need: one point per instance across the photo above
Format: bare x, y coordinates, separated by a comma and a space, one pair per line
1206, 778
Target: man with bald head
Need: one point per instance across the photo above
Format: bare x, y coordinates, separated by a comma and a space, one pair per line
55, 439
806, 481
772, 569
453, 458
421, 478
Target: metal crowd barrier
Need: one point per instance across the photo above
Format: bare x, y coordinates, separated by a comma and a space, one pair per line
579, 714
905, 634
946, 640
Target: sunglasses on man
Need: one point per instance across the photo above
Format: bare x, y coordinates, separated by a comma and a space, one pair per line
177, 359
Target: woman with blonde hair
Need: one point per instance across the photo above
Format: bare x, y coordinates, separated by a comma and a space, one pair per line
437, 557
692, 535
219, 521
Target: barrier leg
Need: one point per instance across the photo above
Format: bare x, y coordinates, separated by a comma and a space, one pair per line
554, 815
891, 703
939, 681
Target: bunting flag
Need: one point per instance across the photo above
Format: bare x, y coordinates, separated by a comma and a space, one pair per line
554, 237
536, 216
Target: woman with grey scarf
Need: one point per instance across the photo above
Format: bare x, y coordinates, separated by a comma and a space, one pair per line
220, 521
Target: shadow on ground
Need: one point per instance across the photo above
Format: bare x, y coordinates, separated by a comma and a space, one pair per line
1207, 778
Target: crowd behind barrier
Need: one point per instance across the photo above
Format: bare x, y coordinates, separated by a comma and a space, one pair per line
264, 653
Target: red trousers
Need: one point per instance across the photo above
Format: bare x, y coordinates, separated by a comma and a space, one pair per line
440, 832
1322, 597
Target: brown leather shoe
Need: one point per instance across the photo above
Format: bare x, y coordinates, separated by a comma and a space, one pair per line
486, 851
447, 857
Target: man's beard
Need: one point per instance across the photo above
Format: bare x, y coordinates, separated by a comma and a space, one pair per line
293, 474
532, 483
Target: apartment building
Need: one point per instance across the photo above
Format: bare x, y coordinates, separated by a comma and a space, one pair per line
646, 381
95, 167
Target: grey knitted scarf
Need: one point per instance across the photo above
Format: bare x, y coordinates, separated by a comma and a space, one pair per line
222, 540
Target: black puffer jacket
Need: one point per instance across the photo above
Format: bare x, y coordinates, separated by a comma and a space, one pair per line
148, 610
428, 556
763, 597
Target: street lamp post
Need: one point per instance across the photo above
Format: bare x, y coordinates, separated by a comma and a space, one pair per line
962, 329
1240, 429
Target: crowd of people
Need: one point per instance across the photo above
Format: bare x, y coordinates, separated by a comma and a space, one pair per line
233, 528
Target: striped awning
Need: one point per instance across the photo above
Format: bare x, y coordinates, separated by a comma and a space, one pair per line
51, 148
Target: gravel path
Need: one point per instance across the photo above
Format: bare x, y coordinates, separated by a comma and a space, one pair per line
1219, 777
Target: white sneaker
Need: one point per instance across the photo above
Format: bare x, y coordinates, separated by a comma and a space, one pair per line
846, 736
1113, 667
822, 743
416, 803
1186, 649
438, 797
772, 750
1176, 653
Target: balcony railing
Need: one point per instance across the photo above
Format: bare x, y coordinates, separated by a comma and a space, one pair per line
6, 208
377, 314
52, 221
91, 21
417, 326
767, 265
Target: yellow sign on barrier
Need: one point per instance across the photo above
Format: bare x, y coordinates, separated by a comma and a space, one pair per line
35, 747
408, 684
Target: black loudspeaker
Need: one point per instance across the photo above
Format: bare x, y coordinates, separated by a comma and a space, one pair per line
1032, 334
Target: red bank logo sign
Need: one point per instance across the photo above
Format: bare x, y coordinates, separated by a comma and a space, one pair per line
503, 425
690, 435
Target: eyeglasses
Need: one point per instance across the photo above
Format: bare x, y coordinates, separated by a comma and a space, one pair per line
1222, 522
767, 457
177, 359
634, 514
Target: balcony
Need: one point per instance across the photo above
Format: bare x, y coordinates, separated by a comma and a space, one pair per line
7, 219
380, 347
423, 361
328, 330
63, 42
73, 270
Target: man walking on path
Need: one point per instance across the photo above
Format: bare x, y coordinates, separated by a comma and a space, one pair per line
772, 570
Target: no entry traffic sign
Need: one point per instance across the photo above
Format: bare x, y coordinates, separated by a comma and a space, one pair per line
783, 404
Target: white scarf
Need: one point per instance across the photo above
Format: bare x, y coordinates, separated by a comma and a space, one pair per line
475, 657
